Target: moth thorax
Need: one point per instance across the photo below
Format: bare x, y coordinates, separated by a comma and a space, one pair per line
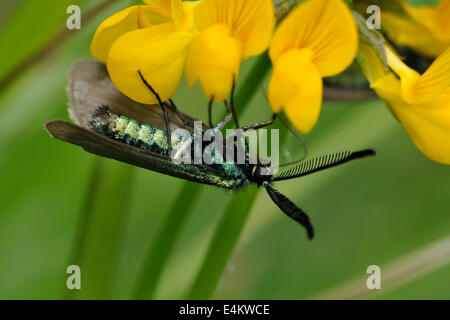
104, 116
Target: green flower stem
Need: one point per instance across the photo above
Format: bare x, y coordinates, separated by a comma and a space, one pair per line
83, 224
161, 250
162, 247
223, 243
238, 209
100, 234
225, 239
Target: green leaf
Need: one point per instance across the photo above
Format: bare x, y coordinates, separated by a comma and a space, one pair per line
101, 228
163, 245
38, 96
34, 22
224, 241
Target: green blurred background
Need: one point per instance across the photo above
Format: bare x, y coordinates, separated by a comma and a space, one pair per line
392, 210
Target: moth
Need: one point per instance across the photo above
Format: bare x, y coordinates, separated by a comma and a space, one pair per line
109, 124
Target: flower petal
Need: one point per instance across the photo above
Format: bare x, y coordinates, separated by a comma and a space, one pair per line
111, 29
420, 89
443, 21
250, 21
434, 81
214, 57
162, 7
156, 13
428, 125
183, 15
406, 32
435, 18
296, 86
158, 52
326, 27
130, 19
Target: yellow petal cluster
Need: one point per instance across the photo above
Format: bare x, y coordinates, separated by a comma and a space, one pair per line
129, 19
161, 66
230, 31
214, 57
318, 39
207, 39
425, 29
152, 39
421, 103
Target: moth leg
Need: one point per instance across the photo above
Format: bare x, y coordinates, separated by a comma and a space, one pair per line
233, 110
225, 102
230, 114
174, 108
166, 115
223, 122
210, 105
260, 125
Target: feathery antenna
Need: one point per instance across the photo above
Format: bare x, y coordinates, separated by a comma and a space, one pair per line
322, 163
290, 209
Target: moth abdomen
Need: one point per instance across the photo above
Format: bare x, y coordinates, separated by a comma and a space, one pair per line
132, 132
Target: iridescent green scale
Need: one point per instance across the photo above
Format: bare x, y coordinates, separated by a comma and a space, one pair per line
133, 132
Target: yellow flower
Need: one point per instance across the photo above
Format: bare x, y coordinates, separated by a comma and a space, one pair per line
425, 29
318, 39
209, 39
129, 19
150, 38
230, 31
421, 103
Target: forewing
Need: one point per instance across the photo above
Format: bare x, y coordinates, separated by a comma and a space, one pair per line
105, 147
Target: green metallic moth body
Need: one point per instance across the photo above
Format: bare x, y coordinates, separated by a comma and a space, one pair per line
144, 136
133, 133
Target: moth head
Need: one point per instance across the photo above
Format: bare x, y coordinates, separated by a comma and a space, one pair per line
261, 172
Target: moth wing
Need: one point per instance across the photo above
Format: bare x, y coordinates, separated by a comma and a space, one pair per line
103, 146
90, 87
82, 76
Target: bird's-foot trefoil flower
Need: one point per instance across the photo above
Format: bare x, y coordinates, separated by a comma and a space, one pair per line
421, 103
230, 31
317, 39
151, 39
